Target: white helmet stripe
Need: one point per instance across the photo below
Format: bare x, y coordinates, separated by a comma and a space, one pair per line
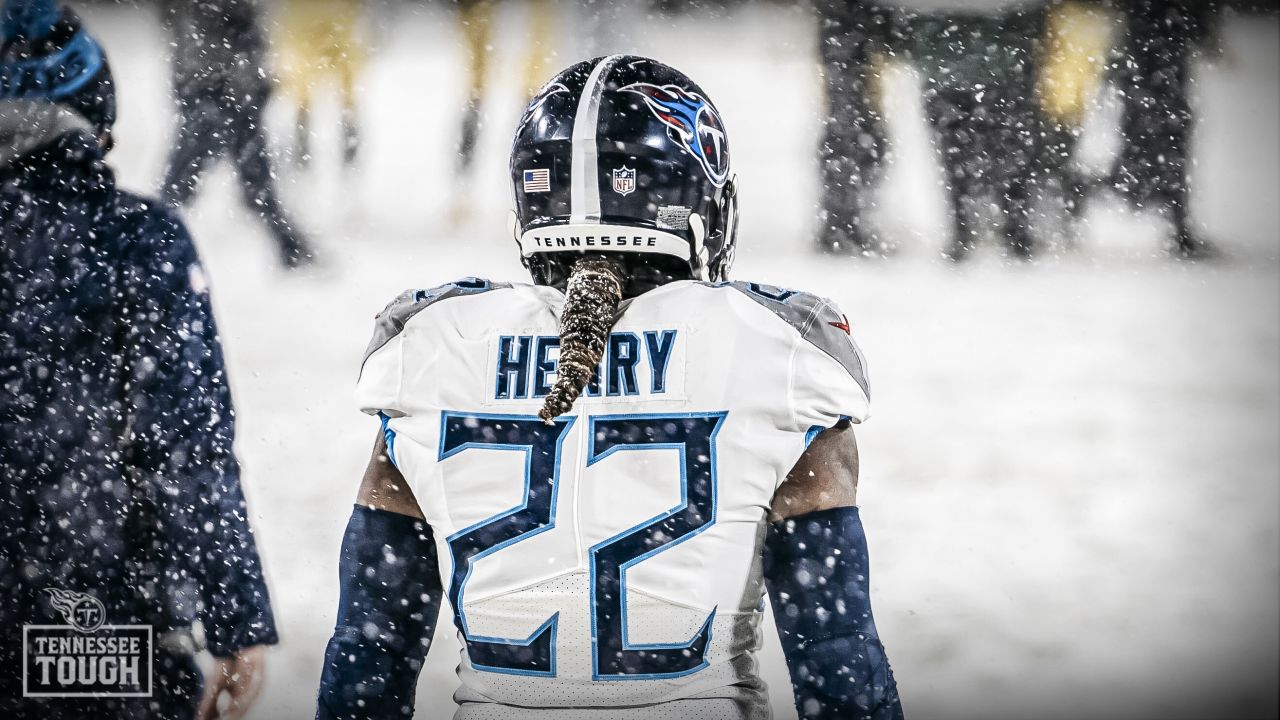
584, 190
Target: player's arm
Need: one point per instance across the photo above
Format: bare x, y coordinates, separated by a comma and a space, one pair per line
816, 570
825, 477
384, 487
389, 603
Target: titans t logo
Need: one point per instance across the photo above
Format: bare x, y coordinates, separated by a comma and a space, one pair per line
694, 122
82, 611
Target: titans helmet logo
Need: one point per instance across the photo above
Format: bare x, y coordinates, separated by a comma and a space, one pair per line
539, 100
82, 611
691, 120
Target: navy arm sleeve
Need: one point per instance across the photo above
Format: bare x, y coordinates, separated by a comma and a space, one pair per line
816, 570
387, 612
182, 426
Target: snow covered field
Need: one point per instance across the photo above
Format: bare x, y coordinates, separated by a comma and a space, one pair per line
1070, 481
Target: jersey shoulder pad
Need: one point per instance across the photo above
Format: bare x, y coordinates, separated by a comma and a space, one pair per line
391, 321
818, 321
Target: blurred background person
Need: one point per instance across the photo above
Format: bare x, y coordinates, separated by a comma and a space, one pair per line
979, 97
1153, 74
119, 476
1078, 35
221, 88
476, 19
322, 45
853, 41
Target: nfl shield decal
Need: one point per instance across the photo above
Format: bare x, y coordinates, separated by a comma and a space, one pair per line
624, 180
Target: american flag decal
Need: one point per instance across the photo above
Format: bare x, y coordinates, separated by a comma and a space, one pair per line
537, 180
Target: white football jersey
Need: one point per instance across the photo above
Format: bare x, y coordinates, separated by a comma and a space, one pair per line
611, 559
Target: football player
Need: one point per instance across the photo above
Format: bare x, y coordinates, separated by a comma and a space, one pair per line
605, 471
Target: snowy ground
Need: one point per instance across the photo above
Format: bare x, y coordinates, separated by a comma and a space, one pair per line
1070, 481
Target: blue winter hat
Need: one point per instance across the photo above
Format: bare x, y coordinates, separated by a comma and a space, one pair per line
28, 19
46, 54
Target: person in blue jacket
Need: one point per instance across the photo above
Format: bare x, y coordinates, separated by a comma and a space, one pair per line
120, 502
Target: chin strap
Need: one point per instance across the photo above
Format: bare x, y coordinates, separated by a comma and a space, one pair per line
705, 267
701, 269
729, 216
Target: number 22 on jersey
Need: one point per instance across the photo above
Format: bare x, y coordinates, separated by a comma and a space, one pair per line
691, 435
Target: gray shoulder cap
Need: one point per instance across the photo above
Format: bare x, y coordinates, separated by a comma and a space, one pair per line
393, 317
818, 321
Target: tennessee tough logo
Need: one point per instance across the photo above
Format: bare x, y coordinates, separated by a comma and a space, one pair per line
695, 123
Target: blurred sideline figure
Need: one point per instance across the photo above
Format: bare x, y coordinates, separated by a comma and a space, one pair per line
1008, 84
631, 357
980, 101
322, 44
121, 501
221, 89
1153, 74
475, 20
852, 42
1073, 59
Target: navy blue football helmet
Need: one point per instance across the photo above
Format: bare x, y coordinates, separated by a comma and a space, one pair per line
627, 156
